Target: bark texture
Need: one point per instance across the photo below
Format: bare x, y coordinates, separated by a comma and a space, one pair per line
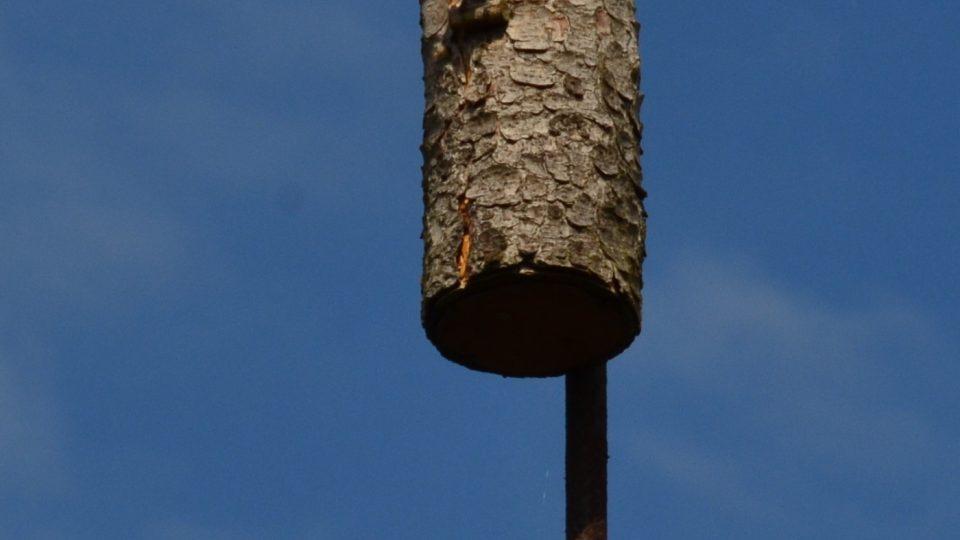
533, 204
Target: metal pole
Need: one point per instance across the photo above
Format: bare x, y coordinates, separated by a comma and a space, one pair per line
586, 457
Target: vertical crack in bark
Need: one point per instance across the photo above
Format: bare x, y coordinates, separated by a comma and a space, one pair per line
466, 53
463, 252
470, 22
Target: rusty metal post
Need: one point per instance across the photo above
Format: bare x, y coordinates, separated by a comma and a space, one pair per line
586, 456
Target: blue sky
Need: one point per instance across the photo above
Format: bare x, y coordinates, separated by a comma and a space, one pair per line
209, 287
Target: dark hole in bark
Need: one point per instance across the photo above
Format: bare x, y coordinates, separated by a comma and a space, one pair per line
480, 18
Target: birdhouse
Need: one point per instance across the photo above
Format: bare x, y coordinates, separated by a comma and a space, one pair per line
534, 225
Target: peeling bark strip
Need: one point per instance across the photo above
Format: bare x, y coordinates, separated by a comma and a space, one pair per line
534, 224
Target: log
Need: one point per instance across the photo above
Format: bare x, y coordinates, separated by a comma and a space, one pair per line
534, 224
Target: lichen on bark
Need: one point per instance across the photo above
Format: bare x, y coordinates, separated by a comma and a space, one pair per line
531, 144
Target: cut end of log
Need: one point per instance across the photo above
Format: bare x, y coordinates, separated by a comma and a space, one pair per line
531, 322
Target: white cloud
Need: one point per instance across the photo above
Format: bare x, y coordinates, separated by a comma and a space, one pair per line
786, 394
176, 529
30, 434
718, 481
88, 253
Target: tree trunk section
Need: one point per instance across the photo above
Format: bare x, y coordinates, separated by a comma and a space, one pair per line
534, 224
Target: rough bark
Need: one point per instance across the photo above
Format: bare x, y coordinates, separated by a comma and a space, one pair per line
534, 224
